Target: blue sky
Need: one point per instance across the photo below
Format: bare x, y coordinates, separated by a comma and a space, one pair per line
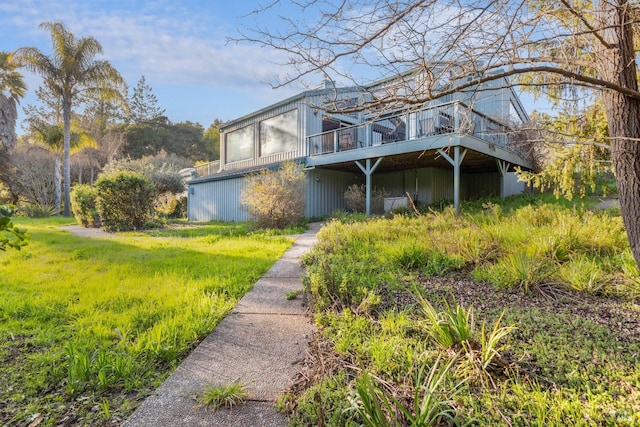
179, 46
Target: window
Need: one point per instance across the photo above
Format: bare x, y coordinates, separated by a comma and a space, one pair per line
514, 117
240, 144
279, 134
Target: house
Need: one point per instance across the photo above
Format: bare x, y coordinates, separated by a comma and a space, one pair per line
454, 147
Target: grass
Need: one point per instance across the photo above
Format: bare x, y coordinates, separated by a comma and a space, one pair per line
98, 323
531, 304
214, 397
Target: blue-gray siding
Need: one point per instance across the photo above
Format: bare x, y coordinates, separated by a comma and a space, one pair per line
217, 200
220, 199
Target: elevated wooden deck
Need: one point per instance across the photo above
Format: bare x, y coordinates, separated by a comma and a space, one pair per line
419, 139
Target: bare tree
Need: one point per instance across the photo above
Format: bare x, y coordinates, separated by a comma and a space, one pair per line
556, 47
35, 180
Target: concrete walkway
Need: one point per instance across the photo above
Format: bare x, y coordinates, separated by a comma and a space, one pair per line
81, 231
261, 344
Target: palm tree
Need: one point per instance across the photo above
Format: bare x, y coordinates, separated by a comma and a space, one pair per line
12, 88
72, 70
52, 138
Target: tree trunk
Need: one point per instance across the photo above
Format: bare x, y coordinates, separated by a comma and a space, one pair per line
66, 117
58, 181
624, 121
8, 118
616, 63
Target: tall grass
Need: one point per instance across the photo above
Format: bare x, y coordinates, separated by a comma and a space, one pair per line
520, 365
83, 320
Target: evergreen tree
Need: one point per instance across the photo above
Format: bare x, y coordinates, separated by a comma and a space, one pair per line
212, 139
143, 105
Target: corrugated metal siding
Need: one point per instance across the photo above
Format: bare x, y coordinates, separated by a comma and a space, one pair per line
393, 183
217, 200
512, 186
425, 185
441, 184
325, 191
220, 199
480, 185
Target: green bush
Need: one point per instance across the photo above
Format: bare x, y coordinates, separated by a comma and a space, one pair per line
125, 200
10, 236
83, 206
162, 170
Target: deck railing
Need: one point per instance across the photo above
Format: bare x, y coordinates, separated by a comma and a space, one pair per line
450, 118
208, 168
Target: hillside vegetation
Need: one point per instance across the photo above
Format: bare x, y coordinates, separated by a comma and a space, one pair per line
517, 313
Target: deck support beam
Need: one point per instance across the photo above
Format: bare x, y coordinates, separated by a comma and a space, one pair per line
503, 168
456, 161
368, 170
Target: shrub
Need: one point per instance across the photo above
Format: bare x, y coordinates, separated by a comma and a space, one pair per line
124, 201
355, 199
180, 210
10, 236
162, 171
167, 180
83, 205
34, 210
170, 205
34, 182
276, 199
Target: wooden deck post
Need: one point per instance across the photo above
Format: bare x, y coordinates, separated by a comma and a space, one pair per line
368, 170
458, 157
503, 167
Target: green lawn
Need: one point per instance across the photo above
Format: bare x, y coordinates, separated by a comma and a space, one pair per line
522, 313
88, 327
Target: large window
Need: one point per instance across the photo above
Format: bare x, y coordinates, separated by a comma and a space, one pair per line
513, 114
279, 134
240, 144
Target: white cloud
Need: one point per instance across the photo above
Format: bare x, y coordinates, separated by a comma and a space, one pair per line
161, 40
178, 46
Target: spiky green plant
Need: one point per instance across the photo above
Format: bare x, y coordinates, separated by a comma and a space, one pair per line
433, 399
449, 327
582, 274
371, 403
226, 395
490, 346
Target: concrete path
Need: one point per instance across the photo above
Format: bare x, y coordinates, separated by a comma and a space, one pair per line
81, 231
261, 344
